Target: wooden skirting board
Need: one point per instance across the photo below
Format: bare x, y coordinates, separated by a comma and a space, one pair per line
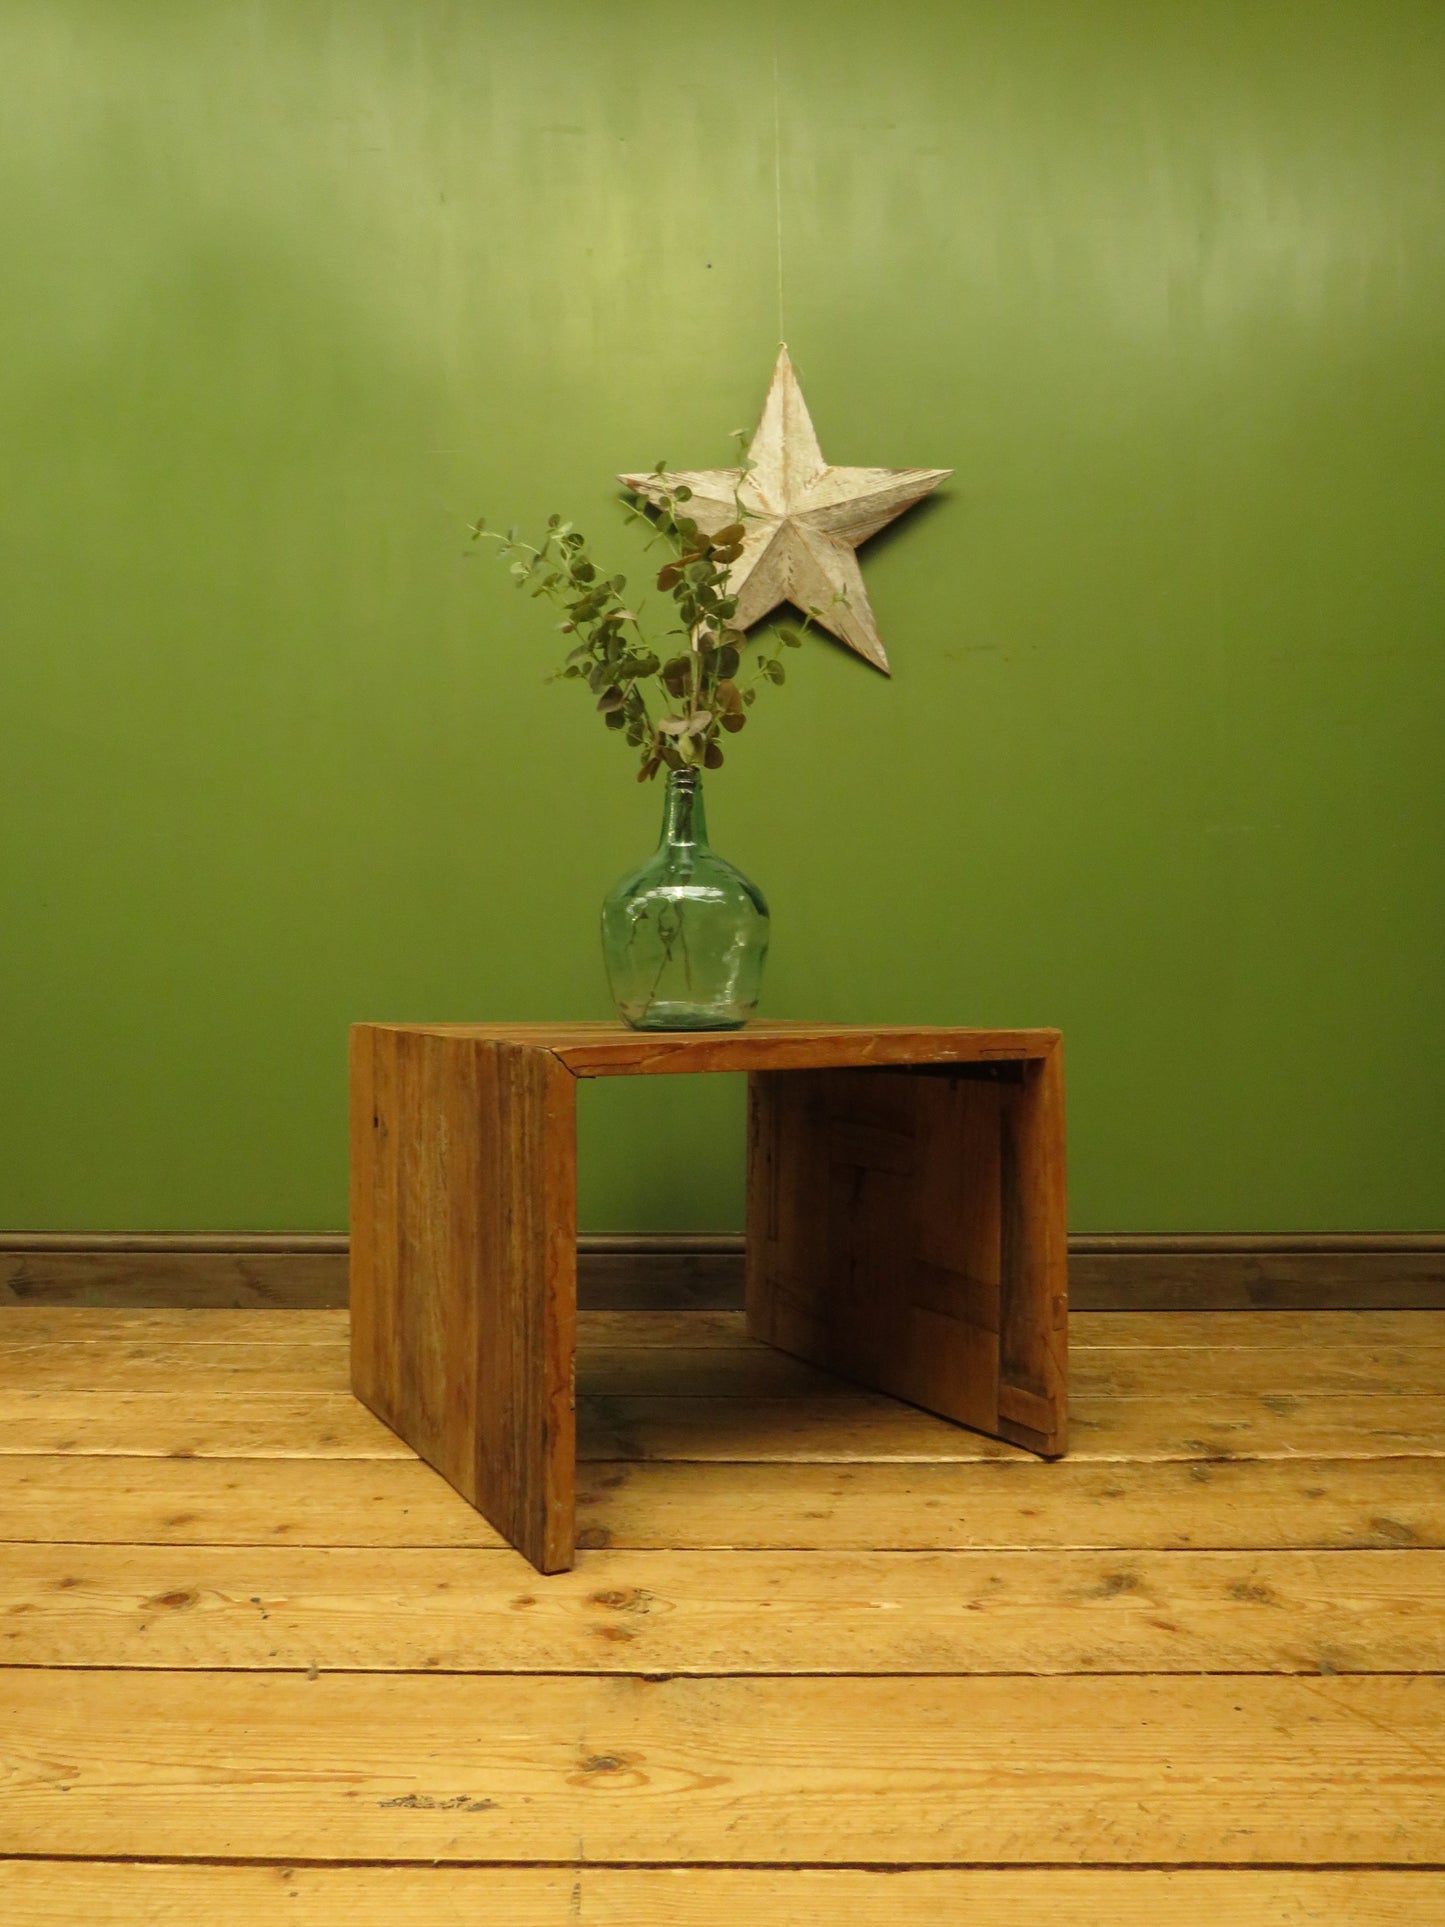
669, 1272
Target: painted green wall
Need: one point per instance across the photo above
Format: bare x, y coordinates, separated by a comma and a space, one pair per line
291, 290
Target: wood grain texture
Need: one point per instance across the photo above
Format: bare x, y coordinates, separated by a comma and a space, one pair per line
463, 1256
218, 1635
907, 1230
1349, 1771
682, 1613
612, 1050
869, 1426
1034, 1266
1306, 1504
845, 1424
60, 1893
1019, 1502
213, 1280
1235, 1271
642, 1362
621, 1353
463, 1269
234, 1502
644, 1271
804, 518
27, 1332
1304, 1335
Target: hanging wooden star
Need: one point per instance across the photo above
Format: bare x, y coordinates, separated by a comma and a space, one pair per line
804, 519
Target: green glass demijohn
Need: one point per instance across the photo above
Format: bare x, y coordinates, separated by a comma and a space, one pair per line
685, 936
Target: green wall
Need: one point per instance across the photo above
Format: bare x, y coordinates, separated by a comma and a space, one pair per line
289, 291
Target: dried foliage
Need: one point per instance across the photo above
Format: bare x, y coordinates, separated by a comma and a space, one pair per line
675, 698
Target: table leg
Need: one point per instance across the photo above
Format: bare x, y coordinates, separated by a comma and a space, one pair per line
906, 1228
464, 1270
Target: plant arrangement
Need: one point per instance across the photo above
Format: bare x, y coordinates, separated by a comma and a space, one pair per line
675, 697
685, 935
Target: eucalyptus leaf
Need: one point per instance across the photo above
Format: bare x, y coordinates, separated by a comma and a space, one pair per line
695, 685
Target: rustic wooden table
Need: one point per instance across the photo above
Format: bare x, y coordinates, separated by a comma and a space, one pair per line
905, 1219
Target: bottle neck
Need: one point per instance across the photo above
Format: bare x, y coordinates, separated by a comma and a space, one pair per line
683, 820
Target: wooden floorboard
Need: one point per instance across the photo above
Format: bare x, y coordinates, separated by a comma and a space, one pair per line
824, 1658
853, 1771
1253, 1331
127, 1894
842, 1425
728, 1365
723, 1612
1300, 1504
1300, 1332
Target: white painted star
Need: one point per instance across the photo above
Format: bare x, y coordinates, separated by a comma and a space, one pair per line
804, 519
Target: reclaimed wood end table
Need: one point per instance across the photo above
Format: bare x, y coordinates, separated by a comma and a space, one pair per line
905, 1229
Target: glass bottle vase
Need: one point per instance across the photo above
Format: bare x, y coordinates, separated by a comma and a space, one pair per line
685, 936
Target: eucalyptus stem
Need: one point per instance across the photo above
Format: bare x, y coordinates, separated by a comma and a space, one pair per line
673, 710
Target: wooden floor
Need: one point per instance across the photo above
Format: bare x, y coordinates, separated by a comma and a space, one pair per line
825, 1660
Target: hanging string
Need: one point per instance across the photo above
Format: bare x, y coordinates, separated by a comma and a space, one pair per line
778, 176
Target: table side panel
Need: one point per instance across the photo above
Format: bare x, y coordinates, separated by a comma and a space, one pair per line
413, 1320
527, 1437
901, 1232
464, 1269
1034, 1364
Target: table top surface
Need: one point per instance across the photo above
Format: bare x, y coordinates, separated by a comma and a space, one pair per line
612, 1050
